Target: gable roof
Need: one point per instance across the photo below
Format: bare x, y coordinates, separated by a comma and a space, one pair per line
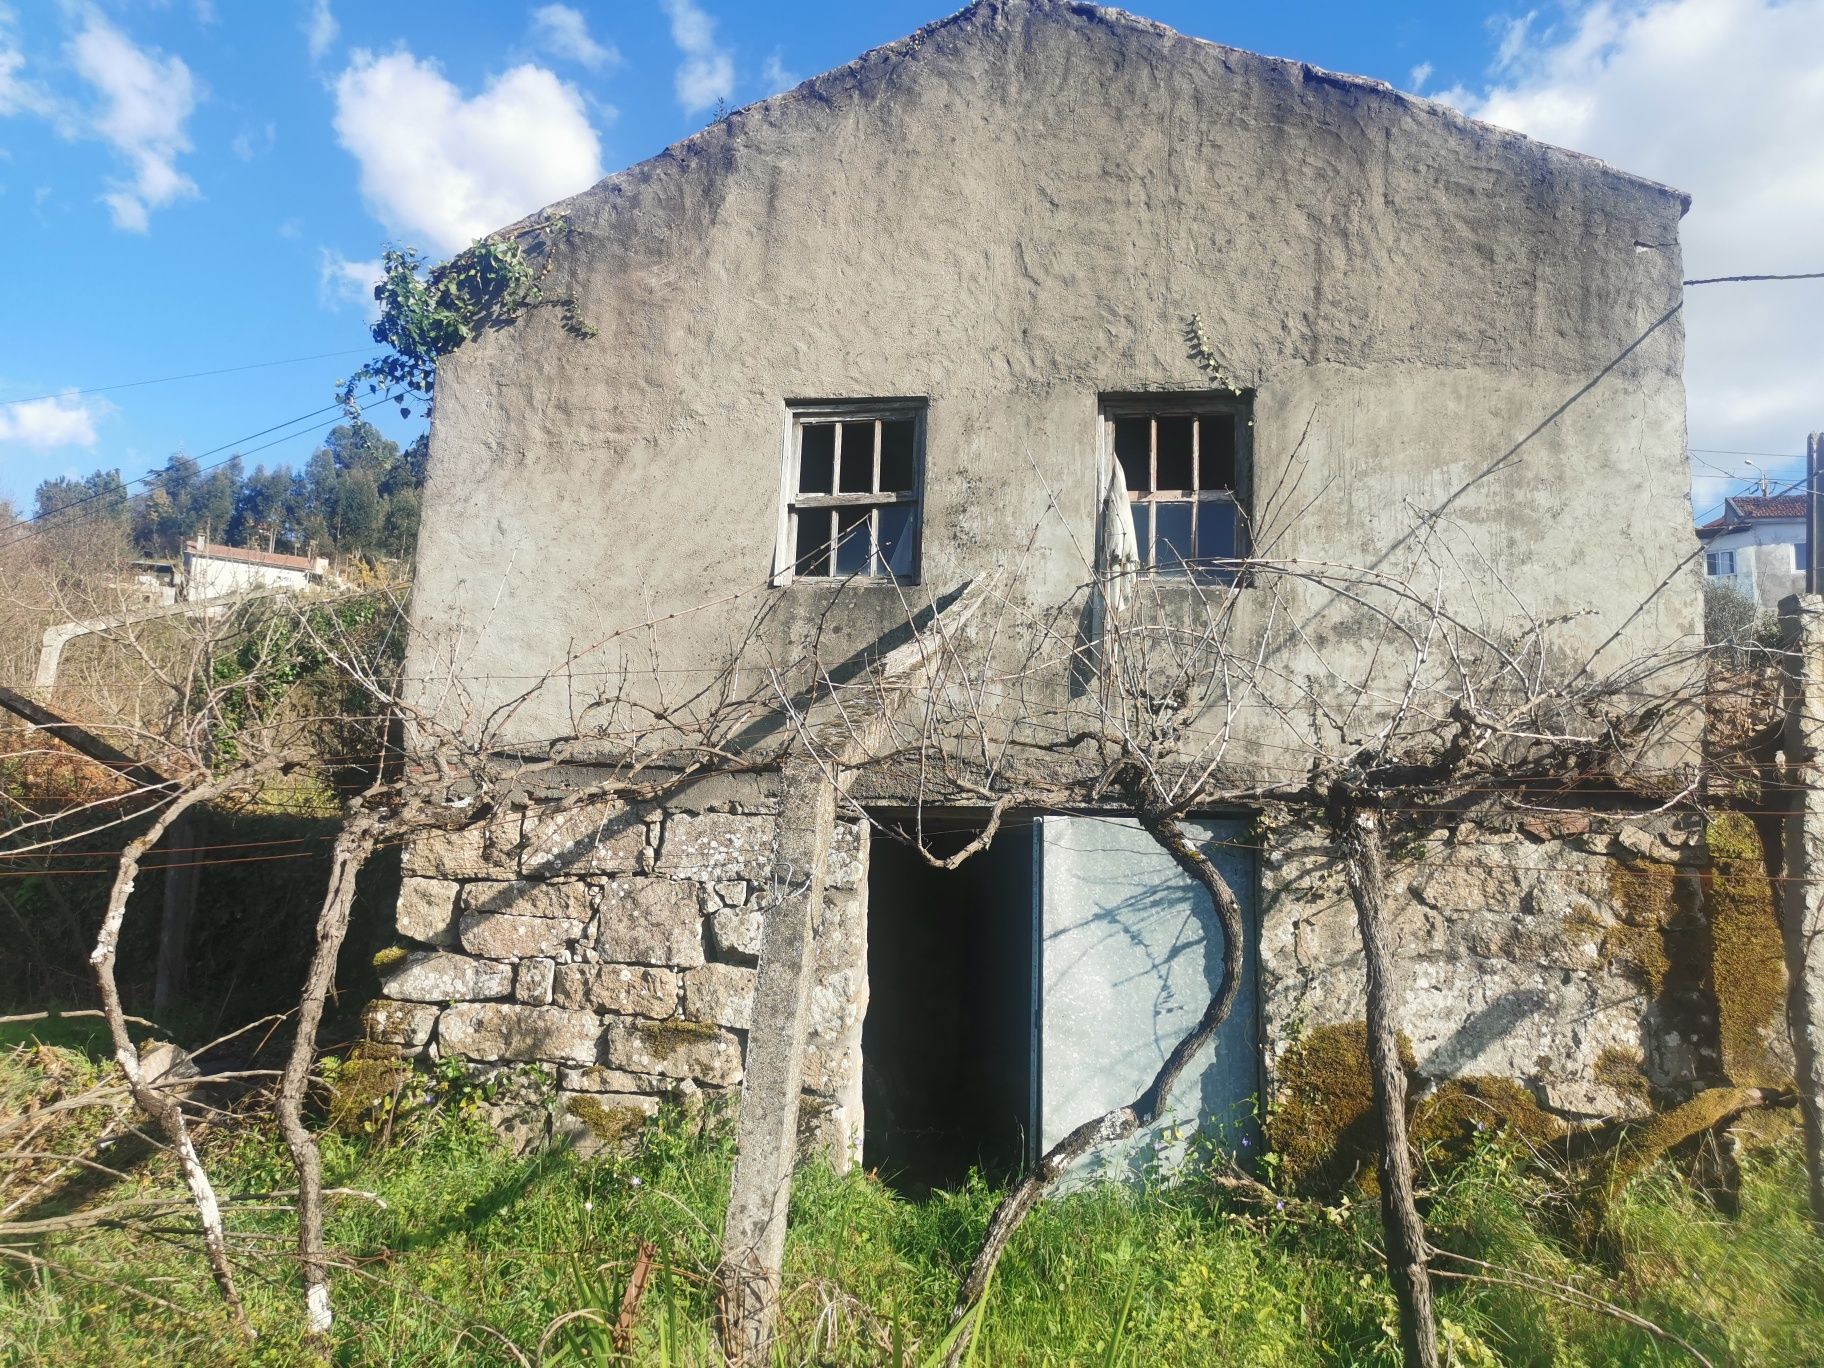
980, 17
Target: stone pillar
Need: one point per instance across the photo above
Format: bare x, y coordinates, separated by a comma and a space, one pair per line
1804, 895
753, 1240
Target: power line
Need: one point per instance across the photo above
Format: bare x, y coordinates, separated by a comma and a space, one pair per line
1726, 451
1738, 279
191, 375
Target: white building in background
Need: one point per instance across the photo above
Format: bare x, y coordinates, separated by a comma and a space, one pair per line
216, 571
1757, 547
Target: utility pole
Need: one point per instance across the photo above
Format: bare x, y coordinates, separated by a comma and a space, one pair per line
1814, 495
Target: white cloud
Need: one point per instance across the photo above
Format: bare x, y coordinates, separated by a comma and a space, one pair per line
1419, 75
341, 282
776, 75
563, 32
1724, 99
441, 169
707, 73
18, 93
44, 423
251, 143
145, 100
320, 30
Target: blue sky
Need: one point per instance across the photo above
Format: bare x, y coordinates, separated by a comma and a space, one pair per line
197, 185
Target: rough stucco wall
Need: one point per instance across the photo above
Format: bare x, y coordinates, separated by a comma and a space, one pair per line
1011, 213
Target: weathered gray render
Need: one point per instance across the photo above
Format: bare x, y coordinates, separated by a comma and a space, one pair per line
1011, 214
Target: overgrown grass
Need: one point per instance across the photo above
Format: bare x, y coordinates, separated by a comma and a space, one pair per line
464, 1249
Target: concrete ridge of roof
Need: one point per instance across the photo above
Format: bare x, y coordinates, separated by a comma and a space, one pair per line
1106, 14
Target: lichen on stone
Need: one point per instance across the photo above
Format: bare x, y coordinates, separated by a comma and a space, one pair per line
1747, 958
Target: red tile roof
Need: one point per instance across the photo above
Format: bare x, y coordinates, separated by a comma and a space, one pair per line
1759, 506
249, 557
1742, 509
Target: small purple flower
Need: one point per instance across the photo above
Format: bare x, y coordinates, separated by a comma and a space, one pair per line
1280, 1205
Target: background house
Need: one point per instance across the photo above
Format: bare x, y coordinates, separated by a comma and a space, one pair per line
1756, 547
214, 571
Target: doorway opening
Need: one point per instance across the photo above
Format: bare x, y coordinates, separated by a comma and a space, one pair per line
948, 1081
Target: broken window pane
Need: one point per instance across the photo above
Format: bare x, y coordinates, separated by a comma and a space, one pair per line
851, 539
898, 469
1172, 543
1216, 452
1133, 448
896, 544
857, 473
1175, 452
817, 458
812, 552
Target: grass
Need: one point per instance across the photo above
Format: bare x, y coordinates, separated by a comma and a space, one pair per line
474, 1249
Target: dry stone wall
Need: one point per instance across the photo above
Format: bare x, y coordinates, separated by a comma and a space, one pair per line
617, 947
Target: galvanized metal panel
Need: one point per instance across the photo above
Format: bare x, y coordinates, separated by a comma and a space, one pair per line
1128, 952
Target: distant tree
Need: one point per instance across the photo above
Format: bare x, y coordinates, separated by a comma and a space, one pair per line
101, 495
262, 511
359, 515
356, 496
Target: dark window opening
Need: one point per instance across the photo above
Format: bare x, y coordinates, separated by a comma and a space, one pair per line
947, 1044
854, 476
1185, 464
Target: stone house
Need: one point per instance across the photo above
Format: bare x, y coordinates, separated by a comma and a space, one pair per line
898, 330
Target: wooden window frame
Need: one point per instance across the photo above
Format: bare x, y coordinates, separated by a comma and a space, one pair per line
1164, 404
794, 504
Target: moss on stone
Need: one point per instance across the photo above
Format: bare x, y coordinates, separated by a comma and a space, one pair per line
1747, 957
364, 1085
1646, 900
1322, 1123
1661, 1132
675, 1034
610, 1125
391, 956
1445, 1124
1622, 1071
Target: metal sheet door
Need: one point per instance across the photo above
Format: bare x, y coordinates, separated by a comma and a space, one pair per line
1127, 954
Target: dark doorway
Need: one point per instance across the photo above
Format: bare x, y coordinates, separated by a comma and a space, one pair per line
947, 1046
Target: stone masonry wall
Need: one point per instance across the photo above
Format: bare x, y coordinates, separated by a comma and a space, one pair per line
617, 947
1568, 958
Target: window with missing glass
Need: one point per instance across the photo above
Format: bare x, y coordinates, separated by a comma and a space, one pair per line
1185, 461
854, 473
